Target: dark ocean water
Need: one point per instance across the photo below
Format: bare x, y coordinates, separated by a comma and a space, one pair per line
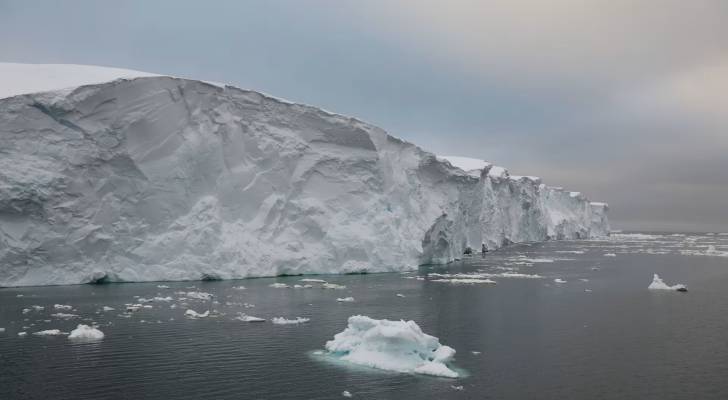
537, 339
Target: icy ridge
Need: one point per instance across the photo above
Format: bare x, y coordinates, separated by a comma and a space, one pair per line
161, 178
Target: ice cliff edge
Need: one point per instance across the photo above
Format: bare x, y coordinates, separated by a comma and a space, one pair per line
161, 178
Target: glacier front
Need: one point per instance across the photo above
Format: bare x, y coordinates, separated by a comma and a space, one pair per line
154, 178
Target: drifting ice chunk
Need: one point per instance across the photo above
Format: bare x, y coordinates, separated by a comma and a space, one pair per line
345, 299
198, 295
279, 285
248, 318
470, 281
332, 286
313, 280
62, 307
610, 255
393, 346
284, 321
85, 332
22, 334
194, 314
162, 287
49, 332
64, 315
659, 284
559, 280
107, 308
346, 393
2, 330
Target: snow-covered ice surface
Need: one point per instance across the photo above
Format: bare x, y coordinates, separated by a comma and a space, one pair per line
162, 179
398, 346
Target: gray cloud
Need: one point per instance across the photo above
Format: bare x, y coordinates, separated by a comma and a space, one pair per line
621, 100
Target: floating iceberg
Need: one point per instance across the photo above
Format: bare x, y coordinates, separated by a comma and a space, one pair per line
559, 280
393, 346
659, 284
345, 299
166, 179
85, 332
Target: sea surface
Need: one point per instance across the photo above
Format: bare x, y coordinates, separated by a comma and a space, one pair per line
600, 335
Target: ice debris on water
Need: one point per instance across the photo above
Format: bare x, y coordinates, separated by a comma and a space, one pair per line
192, 314
285, 321
248, 318
345, 299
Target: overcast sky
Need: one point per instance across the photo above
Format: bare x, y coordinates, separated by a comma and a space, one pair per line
626, 101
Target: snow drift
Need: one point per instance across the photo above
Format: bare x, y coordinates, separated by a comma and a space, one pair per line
162, 178
393, 346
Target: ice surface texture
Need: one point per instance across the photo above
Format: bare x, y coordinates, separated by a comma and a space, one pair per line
161, 178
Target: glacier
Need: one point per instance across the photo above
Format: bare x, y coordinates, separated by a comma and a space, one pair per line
158, 178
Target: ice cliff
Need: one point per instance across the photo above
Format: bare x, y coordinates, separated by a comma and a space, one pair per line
161, 178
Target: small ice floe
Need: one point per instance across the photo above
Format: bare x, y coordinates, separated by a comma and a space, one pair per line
398, 346
345, 299
584, 279
64, 315
197, 295
659, 284
248, 305
22, 334
133, 307
85, 332
610, 255
332, 286
278, 285
459, 387
559, 280
248, 318
399, 295
595, 268
285, 321
166, 299
475, 353
192, 314
570, 251
587, 290
162, 287
346, 393
49, 332
62, 307
107, 308
2, 330
241, 287
313, 280
468, 281
26, 310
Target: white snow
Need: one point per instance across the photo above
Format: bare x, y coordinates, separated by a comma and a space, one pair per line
285, 321
192, 180
399, 346
85, 332
17, 79
659, 284
345, 299
192, 314
466, 163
